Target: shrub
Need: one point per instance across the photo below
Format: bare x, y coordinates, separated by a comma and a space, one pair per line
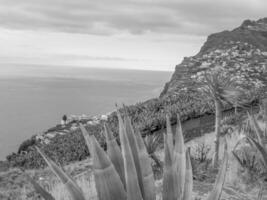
127, 174
201, 152
26, 144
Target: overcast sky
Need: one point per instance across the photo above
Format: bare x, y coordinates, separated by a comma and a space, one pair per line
142, 34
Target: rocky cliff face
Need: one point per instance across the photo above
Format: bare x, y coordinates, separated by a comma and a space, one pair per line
242, 51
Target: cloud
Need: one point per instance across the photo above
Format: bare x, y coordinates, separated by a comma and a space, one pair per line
110, 17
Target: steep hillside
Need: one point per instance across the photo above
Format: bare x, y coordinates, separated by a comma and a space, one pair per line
242, 51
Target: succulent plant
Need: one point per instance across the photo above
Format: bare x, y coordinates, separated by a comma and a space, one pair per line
38, 188
125, 172
258, 142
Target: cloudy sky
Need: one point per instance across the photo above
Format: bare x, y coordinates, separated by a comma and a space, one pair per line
142, 34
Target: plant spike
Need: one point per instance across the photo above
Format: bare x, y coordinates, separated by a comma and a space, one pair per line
217, 190
170, 134
86, 137
133, 145
238, 159
188, 186
114, 153
107, 180
132, 185
260, 194
147, 172
254, 123
265, 116
67, 181
39, 189
259, 147
170, 191
180, 157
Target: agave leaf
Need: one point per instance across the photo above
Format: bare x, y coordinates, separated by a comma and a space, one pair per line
188, 186
238, 159
217, 190
107, 180
86, 137
169, 133
265, 116
67, 181
260, 194
114, 153
180, 157
259, 132
170, 191
132, 185
261, 149
147, 172
133, 145
152, 142
39, 189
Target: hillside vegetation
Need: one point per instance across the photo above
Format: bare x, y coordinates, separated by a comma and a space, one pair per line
240, 54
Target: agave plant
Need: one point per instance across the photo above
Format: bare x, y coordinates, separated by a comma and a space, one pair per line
153, 142
258, 142
256, 138
125, 172
38, 188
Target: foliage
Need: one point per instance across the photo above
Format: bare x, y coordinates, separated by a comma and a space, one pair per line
111, 186
252, 155
221, 85
147, 117
62, 148
153, 143
26, 144
64, 118
201, 152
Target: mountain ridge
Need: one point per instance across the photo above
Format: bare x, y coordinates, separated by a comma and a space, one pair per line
245, 45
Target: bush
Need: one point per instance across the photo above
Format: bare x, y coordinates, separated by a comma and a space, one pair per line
200, 152
63, 149
26, 144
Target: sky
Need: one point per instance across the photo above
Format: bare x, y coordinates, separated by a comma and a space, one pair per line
128, 34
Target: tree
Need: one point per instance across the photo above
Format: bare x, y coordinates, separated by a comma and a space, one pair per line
64, 118
222, 88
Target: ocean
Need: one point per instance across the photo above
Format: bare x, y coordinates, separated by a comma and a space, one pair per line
34, 98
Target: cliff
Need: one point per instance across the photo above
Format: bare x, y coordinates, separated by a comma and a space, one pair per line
242, 51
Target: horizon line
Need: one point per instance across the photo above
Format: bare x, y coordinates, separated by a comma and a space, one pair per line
85, 67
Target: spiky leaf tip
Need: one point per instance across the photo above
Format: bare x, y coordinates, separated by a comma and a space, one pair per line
188, 185
114, 153
39, 189
146, 168
258, 146
217, 189
131, 178
180, 157
107, 180
170, 191
71, 186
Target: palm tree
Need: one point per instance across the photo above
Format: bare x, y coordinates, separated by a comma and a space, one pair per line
222, 88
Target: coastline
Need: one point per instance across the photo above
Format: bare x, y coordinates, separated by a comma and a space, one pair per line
31, 106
